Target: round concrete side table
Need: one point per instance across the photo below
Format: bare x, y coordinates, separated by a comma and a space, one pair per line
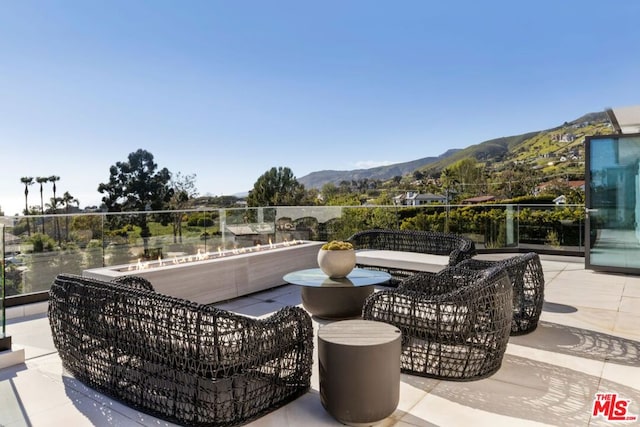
359, 363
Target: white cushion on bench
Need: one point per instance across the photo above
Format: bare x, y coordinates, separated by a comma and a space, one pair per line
402, 260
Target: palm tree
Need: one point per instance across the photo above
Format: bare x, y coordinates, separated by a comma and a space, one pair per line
54, 201
52, 179
27, 181
41, 180
68, 199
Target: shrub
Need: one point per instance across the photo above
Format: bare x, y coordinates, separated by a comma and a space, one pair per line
203, 219
42, 242
552, 239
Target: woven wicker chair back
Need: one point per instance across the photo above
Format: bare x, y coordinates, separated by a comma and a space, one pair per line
455, 324
527, 278
175, 359
456, 247
427, 242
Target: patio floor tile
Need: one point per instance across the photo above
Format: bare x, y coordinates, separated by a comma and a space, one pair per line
587, 341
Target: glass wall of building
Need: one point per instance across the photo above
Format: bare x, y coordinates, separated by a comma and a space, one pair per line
613, 203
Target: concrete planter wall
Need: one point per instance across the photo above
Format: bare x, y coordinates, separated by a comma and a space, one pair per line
222, 278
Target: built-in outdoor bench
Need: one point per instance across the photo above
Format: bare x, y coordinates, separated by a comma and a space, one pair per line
178, 360
402, 253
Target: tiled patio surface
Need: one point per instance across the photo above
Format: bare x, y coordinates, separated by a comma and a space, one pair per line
588, 342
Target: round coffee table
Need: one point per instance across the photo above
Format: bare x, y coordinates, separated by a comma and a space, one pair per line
335, 298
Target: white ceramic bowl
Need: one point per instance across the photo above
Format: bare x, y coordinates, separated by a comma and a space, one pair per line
337, 263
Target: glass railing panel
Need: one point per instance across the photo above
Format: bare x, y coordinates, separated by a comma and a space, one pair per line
75, 242
3, 330
247, 227
557, 227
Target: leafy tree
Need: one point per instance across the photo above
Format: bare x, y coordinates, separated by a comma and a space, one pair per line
87, 227
329, 191
516, 181
312, 197
449, 180
276, 187
380, 198
358, 218
68, 199
136, 186
183, 189
344, 199
345, 186
362, 185
52, 207
468, 175
27, 181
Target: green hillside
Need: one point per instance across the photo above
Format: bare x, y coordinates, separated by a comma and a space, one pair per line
492, 150
318, 179
551, 152
556, 151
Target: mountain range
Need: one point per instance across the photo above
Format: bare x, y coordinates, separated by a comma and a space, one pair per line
318, 179
525, 147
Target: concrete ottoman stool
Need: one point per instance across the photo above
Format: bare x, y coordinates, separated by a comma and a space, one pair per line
359, 363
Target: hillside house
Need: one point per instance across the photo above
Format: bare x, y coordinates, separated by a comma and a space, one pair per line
560, 200
574, 185
414, 198
478, 199
577, 184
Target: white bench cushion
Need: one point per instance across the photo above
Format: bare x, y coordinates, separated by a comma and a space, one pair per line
402, 260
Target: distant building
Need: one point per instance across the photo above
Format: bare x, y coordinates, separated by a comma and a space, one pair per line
478, 199
560, 200
414, 198
576, 185
568, 137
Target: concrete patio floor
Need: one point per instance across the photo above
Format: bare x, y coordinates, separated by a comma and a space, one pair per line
588, 342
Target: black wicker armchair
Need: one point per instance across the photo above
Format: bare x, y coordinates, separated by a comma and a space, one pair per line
453, 248
455, 324
178, 360
527, 278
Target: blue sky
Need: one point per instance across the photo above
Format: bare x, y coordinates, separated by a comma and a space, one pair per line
227, 90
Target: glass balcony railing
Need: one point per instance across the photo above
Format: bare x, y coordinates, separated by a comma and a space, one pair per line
2, 293
36, 248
